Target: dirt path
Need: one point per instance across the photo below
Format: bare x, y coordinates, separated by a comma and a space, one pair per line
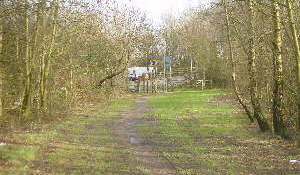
125, 130
101, 140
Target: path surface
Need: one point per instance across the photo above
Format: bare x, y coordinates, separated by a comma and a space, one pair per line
104, 139
101, 140
126, 132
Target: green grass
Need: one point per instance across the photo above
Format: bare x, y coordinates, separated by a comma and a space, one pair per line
202, 137
16, 159
195, 132
80, 145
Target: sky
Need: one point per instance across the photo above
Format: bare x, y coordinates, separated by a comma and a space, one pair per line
156, 8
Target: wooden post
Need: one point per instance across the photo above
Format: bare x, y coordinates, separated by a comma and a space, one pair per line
138, 84
147, 82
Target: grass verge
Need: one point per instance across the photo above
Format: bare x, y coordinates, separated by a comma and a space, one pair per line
199, 135
82, 144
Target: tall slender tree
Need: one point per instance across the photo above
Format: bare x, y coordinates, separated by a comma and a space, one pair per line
47, 59
261, 120
277, 108
297, 53
26, 103
1, 59
233, 65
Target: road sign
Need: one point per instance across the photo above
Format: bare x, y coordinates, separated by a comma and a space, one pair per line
168, 61
153, 62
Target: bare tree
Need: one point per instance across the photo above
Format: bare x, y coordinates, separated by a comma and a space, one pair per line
1, 59
26, 102
261, 120
297, 54
47, 63
278, 124
233, 66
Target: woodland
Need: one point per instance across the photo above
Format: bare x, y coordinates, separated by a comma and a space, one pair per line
59, 54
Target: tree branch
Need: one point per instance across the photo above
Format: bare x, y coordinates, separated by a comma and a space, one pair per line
111, 76
114, 74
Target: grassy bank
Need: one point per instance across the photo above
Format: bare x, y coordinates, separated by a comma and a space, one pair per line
82, 144
201, 135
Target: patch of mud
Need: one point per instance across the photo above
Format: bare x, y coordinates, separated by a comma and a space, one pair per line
126, 133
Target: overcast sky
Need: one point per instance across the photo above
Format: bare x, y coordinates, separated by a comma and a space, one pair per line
156, 8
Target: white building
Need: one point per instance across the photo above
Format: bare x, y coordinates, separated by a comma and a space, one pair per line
138, 71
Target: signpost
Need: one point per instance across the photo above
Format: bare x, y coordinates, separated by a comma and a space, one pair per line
153, 63
167, 61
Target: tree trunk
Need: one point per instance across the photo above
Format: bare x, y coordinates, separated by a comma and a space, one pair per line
261, 120
233, 75
278, 124
71, 79
46, 63
34, 50
1, 60
26, 103
297, 53
39, 21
